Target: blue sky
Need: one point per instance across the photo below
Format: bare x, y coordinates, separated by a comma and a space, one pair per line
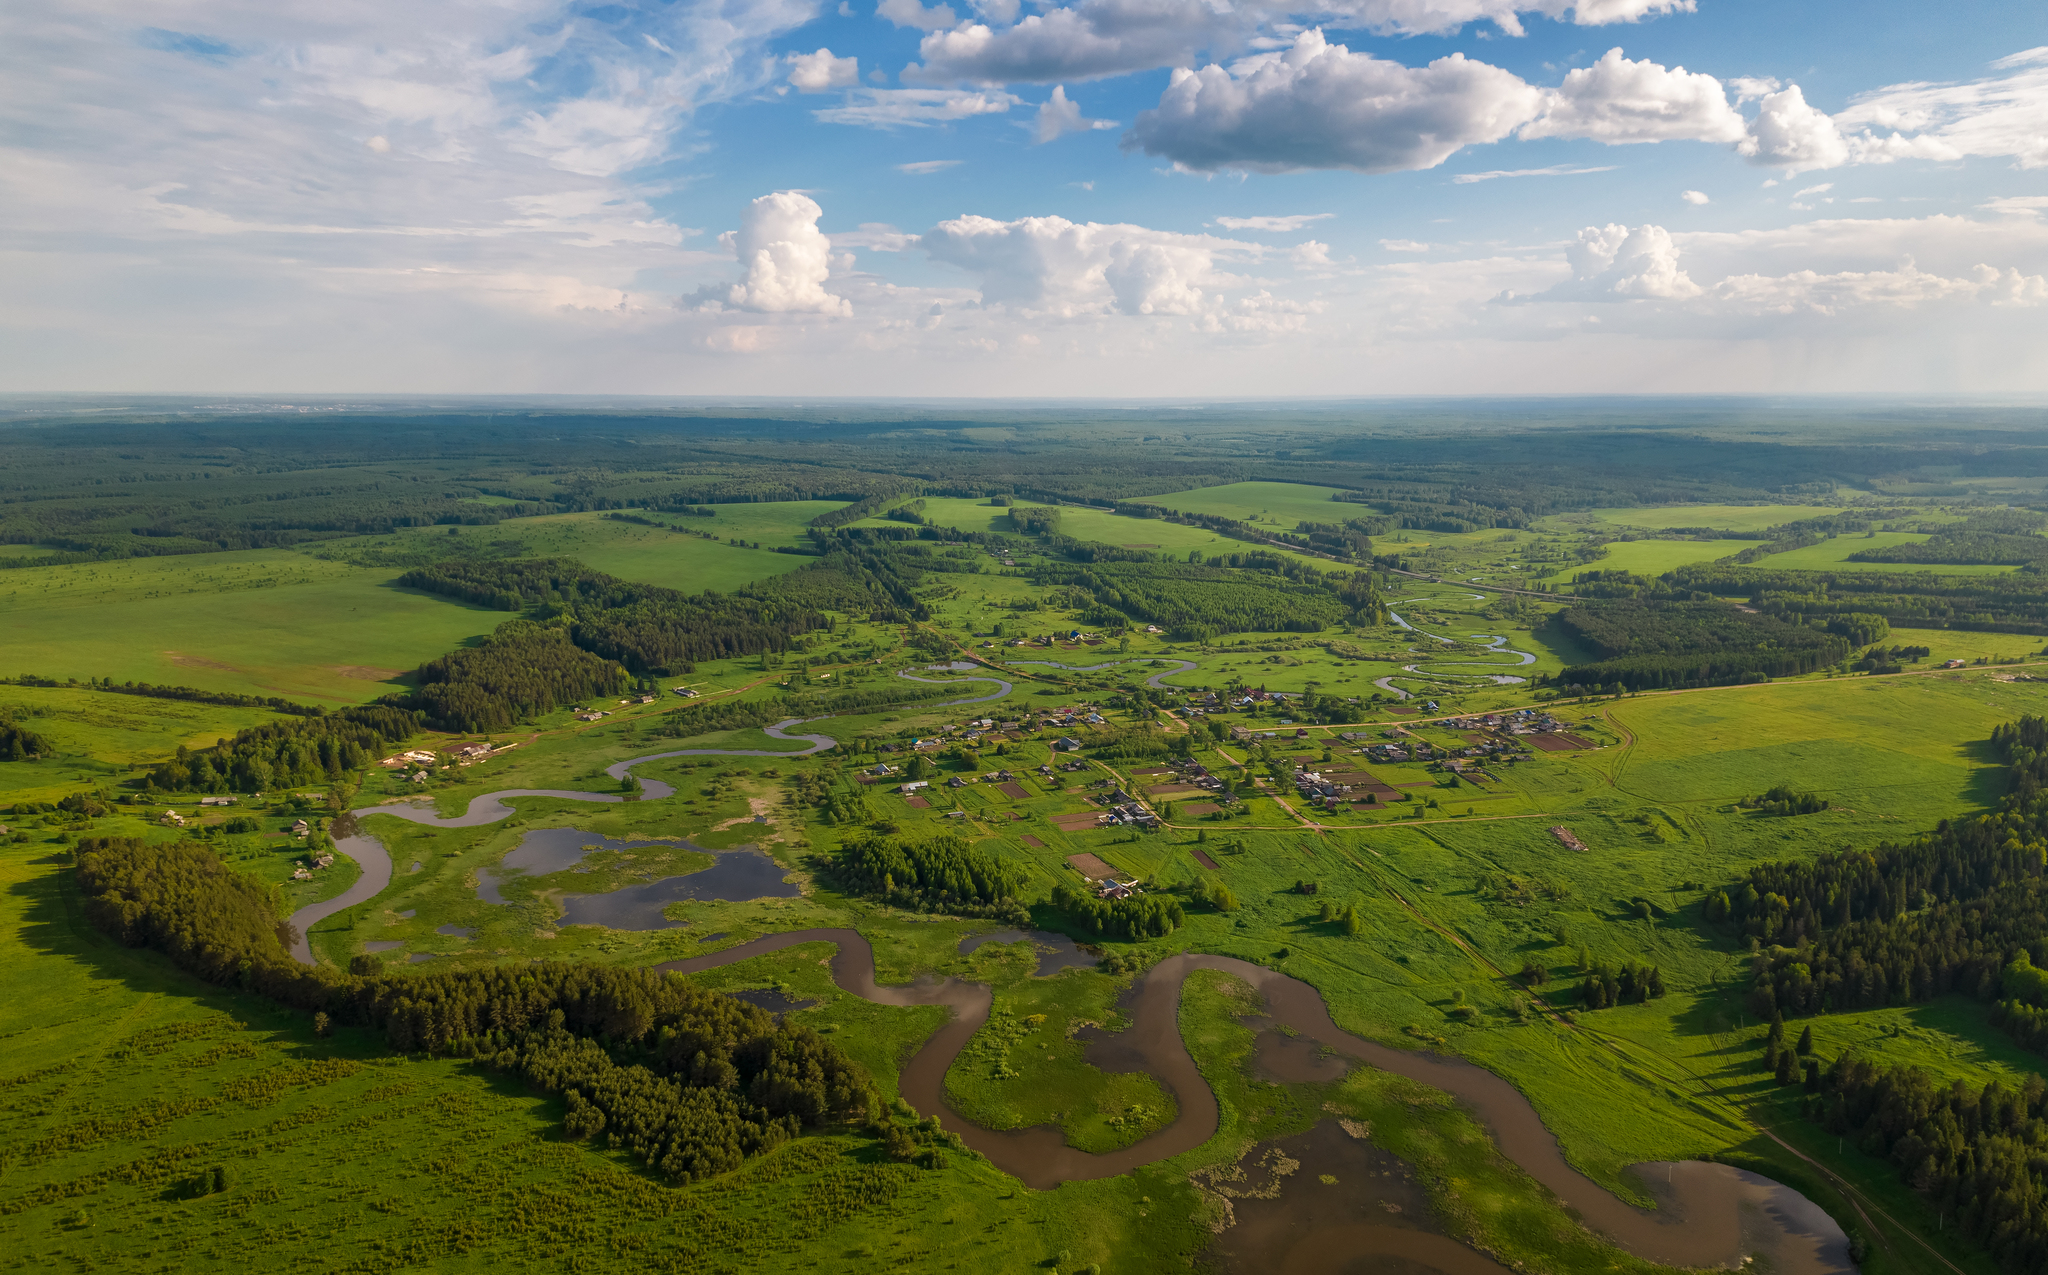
1001, 197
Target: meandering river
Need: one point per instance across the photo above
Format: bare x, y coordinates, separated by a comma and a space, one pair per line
1709, 1214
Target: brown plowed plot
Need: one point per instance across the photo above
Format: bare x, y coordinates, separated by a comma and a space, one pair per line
1076, 823
1014, 791
1359, 779
1560, 742
1154, 770
1198, 808
1168, 790
1429, 783
1473, 739
1033, 842
919, 802
1091, 867
1207, 862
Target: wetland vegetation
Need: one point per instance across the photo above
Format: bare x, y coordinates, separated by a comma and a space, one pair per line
1687, 782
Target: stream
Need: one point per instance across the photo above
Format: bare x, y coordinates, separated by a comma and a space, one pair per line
1709, 1214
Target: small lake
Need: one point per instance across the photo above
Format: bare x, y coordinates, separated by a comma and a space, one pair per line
734, 875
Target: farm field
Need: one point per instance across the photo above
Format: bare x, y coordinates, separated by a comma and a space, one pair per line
1279, 505
1833, 555
1653, 558
256, 622
1093, 524
1720, 517
99, 735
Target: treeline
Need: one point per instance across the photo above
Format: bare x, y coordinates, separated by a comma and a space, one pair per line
1782, 800
1659, 645
1189, 596
2014, 602
692, 1082
865, 507
1444, 516
311, 750
653, 631
2005, 537
190, 694
522, 670
938, 874
1142, 916
1973, 1154
1904, 923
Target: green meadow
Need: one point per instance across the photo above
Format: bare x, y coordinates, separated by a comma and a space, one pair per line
255, 622
1094, 524
1719, 517
1279, 505
1653, 557
1833, 555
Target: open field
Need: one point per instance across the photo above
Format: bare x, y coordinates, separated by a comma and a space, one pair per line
1720, 517
1279, 505
1092, 524
1833, 555
256, 622
1653, 558
100, 735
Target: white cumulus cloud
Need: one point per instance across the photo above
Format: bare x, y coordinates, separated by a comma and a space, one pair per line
1787, 133
1053, 266
1694, 197
1087, 41
1058, 116
1618, 101
820, 72
1617, 263
786, 257
1319, 105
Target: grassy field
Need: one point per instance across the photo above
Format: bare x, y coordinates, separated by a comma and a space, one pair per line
1277, 505
99, 736
1653, 557
301, 628
1720, 517
1833, 555
1092, 524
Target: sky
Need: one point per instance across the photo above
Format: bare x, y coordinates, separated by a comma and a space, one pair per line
1095, 198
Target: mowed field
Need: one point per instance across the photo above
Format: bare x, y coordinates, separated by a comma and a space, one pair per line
1280, 505
284, 622
1091, 524
1721, 517
1833, 555
257, 622
1654, 557
648, 555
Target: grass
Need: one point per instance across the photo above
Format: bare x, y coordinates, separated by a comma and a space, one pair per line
100, 736
1094, 524
1277, 505
1026, 1067
1833, 555
1653, 557
1449, 904
302, 628
1719, 517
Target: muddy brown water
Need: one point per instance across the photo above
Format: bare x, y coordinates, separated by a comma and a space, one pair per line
1708, 1214
1374, 1219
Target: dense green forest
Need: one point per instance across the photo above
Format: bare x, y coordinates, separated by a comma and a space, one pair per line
1905, 922
310, 750
1660, 645
522, 670
1191, 600
1974, 1153
933, 874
